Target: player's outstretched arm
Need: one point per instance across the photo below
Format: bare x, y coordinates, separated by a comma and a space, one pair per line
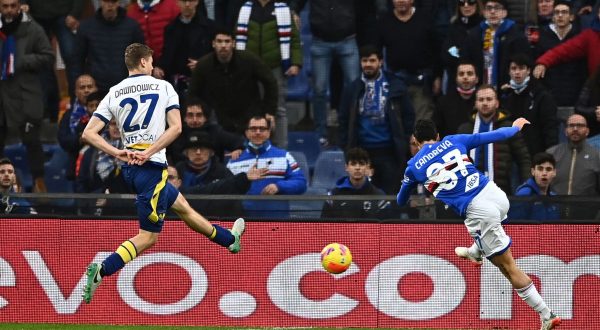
520, 122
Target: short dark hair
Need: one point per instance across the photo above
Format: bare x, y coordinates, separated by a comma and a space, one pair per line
358, 155
542, 157
6, 161
199, 102
368, 50
425, 130
487, 86
521, 59
259, 117
564, 3
223, 30
134, 54
464, 61
94, 96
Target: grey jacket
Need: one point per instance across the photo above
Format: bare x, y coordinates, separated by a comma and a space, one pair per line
21, 95
586, 174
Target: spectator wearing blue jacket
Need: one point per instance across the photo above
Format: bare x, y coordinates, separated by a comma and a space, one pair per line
543, 171
357, 182
284, 176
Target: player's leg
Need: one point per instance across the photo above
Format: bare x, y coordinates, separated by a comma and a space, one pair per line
484, 216
525, 288
151, 204
227, 238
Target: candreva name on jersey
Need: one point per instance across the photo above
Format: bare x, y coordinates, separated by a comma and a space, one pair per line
136, 88
444, 145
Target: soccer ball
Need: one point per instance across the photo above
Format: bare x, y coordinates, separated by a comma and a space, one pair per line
336, 258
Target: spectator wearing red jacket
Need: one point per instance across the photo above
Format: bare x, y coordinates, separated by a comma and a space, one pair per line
153, 16
584, 45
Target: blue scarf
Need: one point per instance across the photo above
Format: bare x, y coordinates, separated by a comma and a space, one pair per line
76, 115
499, 33
518, 88
105, 163
8, 56
375, 98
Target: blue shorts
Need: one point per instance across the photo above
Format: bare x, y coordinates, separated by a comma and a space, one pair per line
154, 194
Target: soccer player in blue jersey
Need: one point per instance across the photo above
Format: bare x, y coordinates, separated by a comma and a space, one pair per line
142, 106
447, 172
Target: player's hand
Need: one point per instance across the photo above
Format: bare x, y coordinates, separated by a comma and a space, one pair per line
124, 155
270, 190
255, 173
140, 157
520, 122
539, 71
234, 155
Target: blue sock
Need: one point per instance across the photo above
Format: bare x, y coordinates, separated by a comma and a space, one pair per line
221, 236
112, 264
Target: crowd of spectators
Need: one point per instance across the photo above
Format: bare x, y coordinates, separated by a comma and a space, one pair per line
471, 65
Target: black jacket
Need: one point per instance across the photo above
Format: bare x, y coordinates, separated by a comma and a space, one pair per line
535, 104
183, 41
232, 90
564, 81
100, 47
348, 210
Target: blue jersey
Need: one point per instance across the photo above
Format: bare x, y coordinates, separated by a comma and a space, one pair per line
447, 172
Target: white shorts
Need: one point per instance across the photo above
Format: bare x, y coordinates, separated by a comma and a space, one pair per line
484, 217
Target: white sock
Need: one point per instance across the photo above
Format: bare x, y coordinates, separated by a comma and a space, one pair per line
474, 251
530, 295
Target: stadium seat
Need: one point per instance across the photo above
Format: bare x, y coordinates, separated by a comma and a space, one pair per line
329, 167
307, 209
303, 163
594, 141
306, 142
55, 177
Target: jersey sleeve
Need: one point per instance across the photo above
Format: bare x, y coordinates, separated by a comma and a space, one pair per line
408, 183
103, 110
474, 140
172, 98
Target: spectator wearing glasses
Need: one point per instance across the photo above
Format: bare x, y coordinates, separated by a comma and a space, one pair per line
577, 162
284, 176
564, 81
585, 45
197, 118
235, 84
492, 42
203, 173
467, 16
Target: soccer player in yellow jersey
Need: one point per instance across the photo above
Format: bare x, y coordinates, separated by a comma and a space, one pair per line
142, 106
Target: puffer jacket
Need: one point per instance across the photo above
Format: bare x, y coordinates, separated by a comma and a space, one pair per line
153, 21
263, 41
